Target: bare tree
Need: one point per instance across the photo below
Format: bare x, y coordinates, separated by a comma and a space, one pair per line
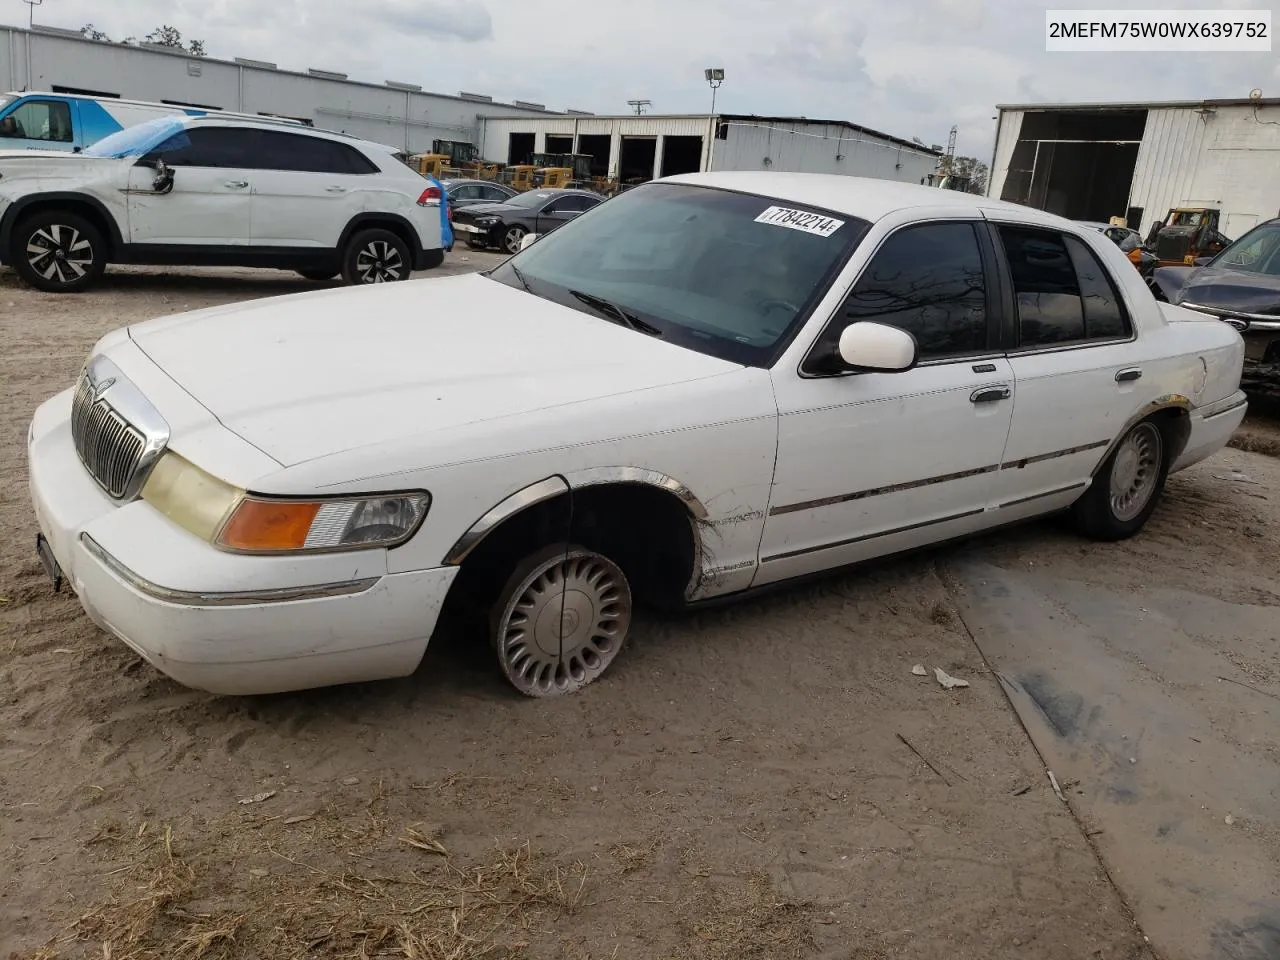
90, 32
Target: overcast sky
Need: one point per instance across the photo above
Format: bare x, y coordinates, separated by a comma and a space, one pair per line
910, 67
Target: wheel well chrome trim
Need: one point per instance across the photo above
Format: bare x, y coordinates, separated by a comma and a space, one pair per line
1170, 401
559, 484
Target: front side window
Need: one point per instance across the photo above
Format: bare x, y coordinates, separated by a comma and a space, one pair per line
467, 191
48, 120
217, 147
728, 274
1064, 294
927, 280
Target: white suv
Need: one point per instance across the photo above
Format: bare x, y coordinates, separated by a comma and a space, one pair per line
213, 191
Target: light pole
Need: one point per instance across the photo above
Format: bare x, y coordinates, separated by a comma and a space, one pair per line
715, 77
31, 11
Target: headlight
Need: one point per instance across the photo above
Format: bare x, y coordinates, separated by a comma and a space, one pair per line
486, 221
270, 525
234, 520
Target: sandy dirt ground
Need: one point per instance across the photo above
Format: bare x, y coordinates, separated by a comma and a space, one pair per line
767, 780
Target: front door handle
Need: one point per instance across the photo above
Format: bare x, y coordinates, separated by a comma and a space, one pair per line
237, 184
991, 394
1128, 375
336, 189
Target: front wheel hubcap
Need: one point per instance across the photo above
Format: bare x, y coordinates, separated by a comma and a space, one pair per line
60, 253
563, 624
514, 236
379, 262
1135, 471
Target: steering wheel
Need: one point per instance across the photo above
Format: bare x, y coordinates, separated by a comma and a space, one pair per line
771, 304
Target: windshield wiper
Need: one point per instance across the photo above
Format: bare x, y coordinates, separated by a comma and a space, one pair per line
619, 314
520, 276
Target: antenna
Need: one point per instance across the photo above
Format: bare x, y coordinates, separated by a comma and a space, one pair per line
639, 105
31, 11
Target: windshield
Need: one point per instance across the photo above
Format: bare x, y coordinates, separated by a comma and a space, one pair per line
728, 274
534, 198
1258, 251
137, 140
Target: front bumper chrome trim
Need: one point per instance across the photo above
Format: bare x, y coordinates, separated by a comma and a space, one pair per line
195, 598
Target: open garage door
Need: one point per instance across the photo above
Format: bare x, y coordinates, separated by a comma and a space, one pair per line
1076, 163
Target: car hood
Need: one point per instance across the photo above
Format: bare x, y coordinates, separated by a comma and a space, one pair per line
481, 208
314, 374
1230, 289
47, 164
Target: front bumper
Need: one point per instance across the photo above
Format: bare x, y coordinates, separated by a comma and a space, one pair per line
221, 622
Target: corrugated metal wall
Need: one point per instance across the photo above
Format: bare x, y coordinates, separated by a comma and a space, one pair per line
1007, 130
1227, 158
818, 148
401, 118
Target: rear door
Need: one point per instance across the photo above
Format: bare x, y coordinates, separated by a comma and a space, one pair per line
1077, 367
307, 189
209, 205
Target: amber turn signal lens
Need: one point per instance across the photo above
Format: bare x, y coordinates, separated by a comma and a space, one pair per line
269, 525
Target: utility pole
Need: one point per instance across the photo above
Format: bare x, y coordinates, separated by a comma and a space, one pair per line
639, 105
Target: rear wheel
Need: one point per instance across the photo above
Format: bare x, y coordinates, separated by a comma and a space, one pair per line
561, 620
376, 256
58, 252
1127, 488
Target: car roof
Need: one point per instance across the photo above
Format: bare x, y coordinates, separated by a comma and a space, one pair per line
863, 197
267, 123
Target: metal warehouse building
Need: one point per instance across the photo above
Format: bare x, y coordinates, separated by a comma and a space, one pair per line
634, 148
1137, 160
397, 114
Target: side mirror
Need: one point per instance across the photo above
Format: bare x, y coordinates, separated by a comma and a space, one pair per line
527, 240
867, 345
163, 181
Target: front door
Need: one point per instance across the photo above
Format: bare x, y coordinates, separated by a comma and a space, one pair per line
210, 203
561, 210
874, 463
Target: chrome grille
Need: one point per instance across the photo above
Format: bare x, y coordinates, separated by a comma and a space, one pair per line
109, 446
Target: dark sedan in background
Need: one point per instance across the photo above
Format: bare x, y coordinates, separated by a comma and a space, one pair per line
1241, 285
504, 225
464, 193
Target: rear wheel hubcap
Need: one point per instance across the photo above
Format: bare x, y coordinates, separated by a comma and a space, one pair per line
379, 262
1135, 471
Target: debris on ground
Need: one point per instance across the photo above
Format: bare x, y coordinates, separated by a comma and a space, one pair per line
1056, 789
919, 670
948, 682
1236, 476
259, 797
1229, 820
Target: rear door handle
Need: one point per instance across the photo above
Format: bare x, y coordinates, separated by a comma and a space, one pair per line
1128, 375
336, 189
991, 394
237, 184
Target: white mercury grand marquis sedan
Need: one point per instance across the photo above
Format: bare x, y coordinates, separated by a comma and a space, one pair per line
704, 386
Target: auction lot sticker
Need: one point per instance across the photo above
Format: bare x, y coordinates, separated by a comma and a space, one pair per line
801, 220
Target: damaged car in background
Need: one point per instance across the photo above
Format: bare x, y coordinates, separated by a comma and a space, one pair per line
709, 385
1241, 286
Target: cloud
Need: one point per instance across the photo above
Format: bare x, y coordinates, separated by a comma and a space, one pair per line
910, 68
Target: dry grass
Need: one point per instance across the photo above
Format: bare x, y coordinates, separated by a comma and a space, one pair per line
752, 923
1267, 444
201, 903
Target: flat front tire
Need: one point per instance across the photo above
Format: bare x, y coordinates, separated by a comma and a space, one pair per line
58, 252
560, 620
1127, 487
376, 256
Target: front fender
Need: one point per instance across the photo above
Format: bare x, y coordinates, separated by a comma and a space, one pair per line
1170, 280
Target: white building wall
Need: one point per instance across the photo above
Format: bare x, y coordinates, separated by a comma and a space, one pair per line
496, 133
800, 147
401, 118
1227, 159
1008, 127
